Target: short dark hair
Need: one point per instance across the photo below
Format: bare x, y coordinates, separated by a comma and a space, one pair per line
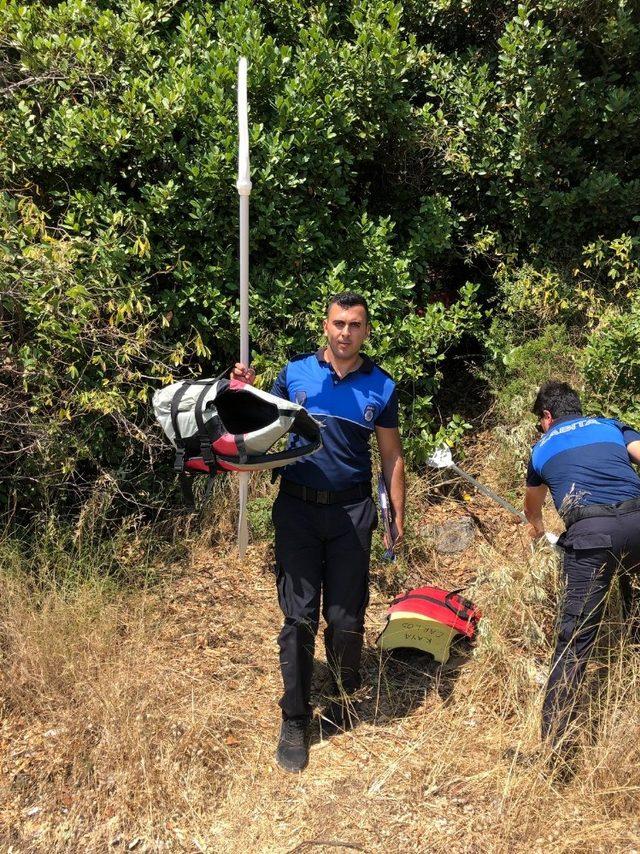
558, 398
349, 299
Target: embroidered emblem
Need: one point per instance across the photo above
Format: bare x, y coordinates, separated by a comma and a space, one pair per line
369, 413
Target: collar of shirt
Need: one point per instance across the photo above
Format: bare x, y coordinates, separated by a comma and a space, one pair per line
565, 418
366, 367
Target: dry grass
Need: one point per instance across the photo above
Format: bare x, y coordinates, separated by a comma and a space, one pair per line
147, 720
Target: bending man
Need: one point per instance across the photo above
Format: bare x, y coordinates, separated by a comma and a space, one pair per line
324, 516
586, 463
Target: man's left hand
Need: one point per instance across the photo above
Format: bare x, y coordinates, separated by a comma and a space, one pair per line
398, 526
400, 529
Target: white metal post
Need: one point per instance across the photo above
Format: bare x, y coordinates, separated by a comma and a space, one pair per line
243, 185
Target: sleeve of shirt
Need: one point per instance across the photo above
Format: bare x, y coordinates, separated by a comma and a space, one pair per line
533, 478
628, 433
279, 388
389, 415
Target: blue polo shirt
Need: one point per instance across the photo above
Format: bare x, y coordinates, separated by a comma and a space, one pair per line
584, 460
349, 410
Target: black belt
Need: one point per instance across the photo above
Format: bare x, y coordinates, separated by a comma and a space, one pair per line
589, 511
323, 496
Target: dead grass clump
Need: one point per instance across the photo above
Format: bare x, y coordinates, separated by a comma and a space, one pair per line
515, 634
118, 738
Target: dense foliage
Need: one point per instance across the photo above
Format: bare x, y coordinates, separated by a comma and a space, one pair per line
473, 167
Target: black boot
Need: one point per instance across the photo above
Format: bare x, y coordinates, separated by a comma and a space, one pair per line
293, 747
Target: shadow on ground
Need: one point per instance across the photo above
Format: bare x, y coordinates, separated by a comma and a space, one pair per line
395, 683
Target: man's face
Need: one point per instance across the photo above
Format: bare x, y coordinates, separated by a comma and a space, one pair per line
346, 330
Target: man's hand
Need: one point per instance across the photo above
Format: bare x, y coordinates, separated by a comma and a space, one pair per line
243, 373
399, 527
535, 533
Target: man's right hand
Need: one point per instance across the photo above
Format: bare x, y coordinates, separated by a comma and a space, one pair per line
536, 532
243, 373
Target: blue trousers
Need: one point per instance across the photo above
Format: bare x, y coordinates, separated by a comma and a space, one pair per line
595, 550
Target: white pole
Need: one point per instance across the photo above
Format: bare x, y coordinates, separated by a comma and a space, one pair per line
244, 189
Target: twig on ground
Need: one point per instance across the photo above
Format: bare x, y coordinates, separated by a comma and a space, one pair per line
326, 842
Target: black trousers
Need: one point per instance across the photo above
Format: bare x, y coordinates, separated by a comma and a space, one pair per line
594, 551
322, 551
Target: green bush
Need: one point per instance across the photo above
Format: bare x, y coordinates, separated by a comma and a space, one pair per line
452, 160
530, 120
81, 344
532, 297
520, 368
120, 217
611, 364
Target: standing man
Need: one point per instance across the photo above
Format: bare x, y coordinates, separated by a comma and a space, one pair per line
586, 463
324, 516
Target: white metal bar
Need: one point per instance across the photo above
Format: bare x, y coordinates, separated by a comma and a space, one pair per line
243, 185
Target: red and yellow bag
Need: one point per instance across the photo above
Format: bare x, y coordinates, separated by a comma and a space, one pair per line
429, 618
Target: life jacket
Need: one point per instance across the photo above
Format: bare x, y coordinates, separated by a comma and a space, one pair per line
228, 425
429, 618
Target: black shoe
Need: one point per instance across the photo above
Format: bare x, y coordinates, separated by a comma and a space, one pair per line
293, 747
338, 717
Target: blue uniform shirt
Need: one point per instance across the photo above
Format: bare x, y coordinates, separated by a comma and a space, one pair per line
349, 410
585, 461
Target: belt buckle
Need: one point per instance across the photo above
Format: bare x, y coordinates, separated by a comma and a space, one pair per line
322, 496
